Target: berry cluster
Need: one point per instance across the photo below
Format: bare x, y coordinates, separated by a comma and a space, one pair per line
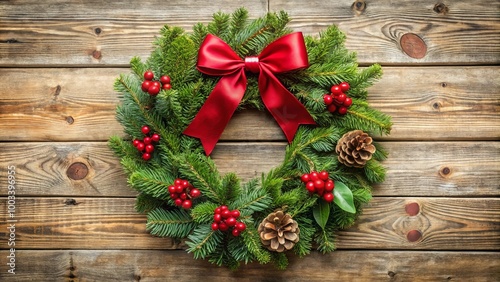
153, 87
145, 146
182, 192
337, 100
224, 219
319, 183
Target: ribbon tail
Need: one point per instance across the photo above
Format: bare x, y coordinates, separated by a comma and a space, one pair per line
218, 109
283, 105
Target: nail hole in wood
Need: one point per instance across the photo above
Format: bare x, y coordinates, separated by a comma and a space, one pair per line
77, 171
391, 274
96, 54
70, 120
71, 202
444, 84
436, 106
412, 209
413, 45
413, 236
97, 30
441, 8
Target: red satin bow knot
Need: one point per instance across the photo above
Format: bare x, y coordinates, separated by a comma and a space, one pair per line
217, 58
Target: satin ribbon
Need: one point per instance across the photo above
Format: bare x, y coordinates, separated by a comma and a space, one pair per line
216, 58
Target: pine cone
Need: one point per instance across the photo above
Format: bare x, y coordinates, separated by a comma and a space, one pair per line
355, 148
279, 232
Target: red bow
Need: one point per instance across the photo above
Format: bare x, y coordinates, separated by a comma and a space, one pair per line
218, 59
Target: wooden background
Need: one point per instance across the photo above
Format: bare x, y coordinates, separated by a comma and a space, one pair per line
436, 218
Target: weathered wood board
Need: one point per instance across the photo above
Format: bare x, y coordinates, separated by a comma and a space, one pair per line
435, 218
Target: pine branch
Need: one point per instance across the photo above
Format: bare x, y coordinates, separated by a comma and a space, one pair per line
203, 241
170, 223
204, 212
252, 242
146, 203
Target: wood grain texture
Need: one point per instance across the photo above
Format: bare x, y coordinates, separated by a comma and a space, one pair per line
450, 37
112, 223
179, 266
426, 103
59, 36
436, 168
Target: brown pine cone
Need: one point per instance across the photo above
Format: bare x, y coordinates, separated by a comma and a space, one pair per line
279, 232
355, 148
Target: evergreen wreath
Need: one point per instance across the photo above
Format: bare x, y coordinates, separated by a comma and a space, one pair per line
318, 189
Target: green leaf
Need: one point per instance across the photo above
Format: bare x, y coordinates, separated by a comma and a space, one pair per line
343, 197
321, 212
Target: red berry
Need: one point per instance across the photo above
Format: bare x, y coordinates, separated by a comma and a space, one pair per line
155, 137
344, 86
146, 140
146, 156
223, 208
166, 87
145, 85
149, 148
153, 90
332, 108
135, 142
223, 226
185, 183
342, 110
217, 211
327, 99
183, 196
187, 204
231, 221
195, 193
314, 176
336, 89
240, 226
171, 189
323, 175
226, 214
235, 213
178, 202
339, 99
156, 83
174, 196
236, 232
177, 181
217, 217
305, 178
140, 147
328, 197
165, 79
149, 75
310, 186
347, 102
145, 129
329, 185
319, 184
215, 226
179, 189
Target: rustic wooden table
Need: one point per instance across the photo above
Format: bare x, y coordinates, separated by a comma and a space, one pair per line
436, 218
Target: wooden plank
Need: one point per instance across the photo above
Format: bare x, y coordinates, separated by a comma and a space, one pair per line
112, 223
426, 103
437, 168
179, 266
111, 33
375, 30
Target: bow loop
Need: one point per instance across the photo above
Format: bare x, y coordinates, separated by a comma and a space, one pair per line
216, 58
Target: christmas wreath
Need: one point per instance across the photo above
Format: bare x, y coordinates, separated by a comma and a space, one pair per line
175, 105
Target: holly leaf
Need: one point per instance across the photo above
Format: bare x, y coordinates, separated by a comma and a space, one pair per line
321, 212
343, 197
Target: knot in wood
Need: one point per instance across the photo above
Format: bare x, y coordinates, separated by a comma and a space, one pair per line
413, 236
359, 6
412, 209
413, 46
77, 171
441, 8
